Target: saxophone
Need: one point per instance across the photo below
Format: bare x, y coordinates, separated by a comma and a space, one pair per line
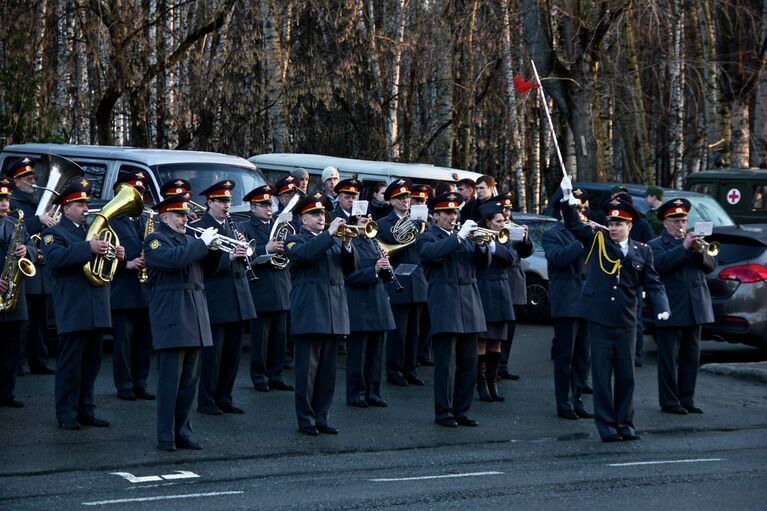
15, 267
143, 276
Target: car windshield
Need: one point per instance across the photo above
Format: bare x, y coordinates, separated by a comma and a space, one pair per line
704, 209
202, 175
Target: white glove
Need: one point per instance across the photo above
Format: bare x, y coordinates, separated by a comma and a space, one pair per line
567, 188
208, 235
491, 246
467, 227
663, 316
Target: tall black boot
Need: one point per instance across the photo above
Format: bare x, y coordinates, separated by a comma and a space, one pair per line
484, 395
491, 374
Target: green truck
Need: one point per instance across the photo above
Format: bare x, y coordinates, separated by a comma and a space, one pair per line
741, 192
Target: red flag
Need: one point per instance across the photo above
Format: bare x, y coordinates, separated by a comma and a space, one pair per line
522, 86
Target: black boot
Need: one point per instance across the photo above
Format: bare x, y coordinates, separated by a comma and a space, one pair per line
491, 374
484, 395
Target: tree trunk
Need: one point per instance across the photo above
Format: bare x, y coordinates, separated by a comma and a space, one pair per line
467, 86
739, 152
676, 83
392, 126
758, 156
274, 86
643, 154
514, 127
711, 96
443, 125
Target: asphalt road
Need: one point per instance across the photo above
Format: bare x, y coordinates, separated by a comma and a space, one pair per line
522, 456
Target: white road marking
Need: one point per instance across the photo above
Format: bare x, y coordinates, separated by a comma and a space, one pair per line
162, 497
136, 479
180, 474
662, 462
445, 476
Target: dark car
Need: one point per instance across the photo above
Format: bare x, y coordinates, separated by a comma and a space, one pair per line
536, 270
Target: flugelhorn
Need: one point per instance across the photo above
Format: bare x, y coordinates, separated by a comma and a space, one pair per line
226, 243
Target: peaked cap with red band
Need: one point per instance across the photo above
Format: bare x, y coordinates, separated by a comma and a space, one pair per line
285, 185
261, 194
175, 187
136, 178
423, 192
621, 210
310, 204
446, 202
350, 186
675, 208
21, 168
5, 187
178, 203
396, 189
221, 190
75, 190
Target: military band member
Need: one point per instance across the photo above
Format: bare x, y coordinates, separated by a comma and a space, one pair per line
407, 305
565, 256
178, 314
370, 316
347, 191
419, 196
617, 267
129, 300
318, 262
38, 287
11, 321
284, 190
683, 270
229, 305
271, 296
82, 309
451, 260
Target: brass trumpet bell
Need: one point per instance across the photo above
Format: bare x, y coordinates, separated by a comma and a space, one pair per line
710, 248
352, 231
484, 235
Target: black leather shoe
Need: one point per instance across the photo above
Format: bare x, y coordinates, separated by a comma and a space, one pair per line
328, 430
611, 438
465, 421
448, 422
70, 424
358, 404
229, 408
587, 389
630, 436
210, 410
187, 443
678, 410
568, 414
426, 362
11, 402
504, 374
376, 401
93, 421
583, 414
143, 394
693, 409
414, 380
262, 387
127, 395
280, 385
166, 446
397, 380
309, 430
42, 370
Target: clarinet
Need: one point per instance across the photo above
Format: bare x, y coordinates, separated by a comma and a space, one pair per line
248, 268
397, 286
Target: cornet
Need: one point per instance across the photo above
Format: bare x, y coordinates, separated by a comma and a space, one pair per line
226, 243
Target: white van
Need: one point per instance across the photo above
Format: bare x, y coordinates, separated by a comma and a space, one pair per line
278, 165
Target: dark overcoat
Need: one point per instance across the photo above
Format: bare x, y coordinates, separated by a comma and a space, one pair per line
41, 283
565, 256
7, 227
318, 296
126, 290
178, 310
78, 304
494, 286
683, 272
369, 309
517, 276
415, 286
271, 292
451, 268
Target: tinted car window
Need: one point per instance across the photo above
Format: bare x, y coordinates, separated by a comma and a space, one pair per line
203, 175
735, 250
95, 173
758, 203
535, 229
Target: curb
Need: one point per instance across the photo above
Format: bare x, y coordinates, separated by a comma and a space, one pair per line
756, 371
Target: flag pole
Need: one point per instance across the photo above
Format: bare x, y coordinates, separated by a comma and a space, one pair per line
548, 116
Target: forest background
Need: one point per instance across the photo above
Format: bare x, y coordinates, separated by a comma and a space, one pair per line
643, 91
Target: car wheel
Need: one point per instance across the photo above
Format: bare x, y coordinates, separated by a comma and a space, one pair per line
537, 308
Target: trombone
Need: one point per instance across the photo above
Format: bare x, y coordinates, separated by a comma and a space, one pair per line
226, 243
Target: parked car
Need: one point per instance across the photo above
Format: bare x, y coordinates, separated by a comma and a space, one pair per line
742, 192
536, 269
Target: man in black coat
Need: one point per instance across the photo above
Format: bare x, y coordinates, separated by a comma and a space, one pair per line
129, 300
318, 262
616, 267
347, 191
270, 293
683, 267
451, 260
82, 308
229, 305
38, 287
419, 196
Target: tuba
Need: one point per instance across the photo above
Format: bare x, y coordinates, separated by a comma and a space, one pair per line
101, 269
15, 267
60, 172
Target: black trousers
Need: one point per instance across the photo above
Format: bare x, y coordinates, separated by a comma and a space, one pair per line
506, 346
37, 329
402, 343
132, 348
571, 361
678, 359
315, 373
220, 363
424, 335
10, 355
364, 353
78, 360
455, 373
612, 352
640, 326
268, 333
178, 374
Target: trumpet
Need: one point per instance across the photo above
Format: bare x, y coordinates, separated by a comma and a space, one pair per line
482, 235
347, 232
228, 244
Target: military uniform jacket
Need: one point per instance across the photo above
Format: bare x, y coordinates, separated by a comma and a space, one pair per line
7, 226
339, 212
683, 272
415, 286
494, 286
127, 292
611, 300
369, 309
78, 304
565, 255
517, 276
451, 268
227, 288
41, 283
271, 292
178, 310
318, 297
